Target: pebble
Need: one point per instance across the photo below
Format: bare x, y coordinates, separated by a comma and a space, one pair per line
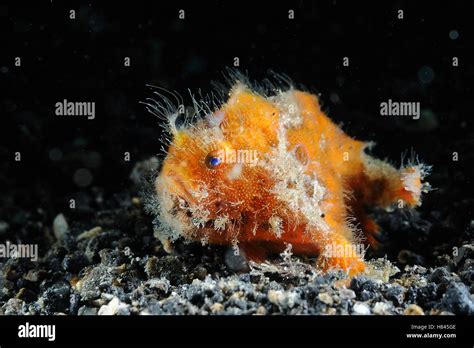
360, 308
60, 227
89, 234
200, 272
381, 308
12, 307
161, 284
56, 297
35, 275
115, 307
464, 252
413, 309
276, 297
236, 263
216, 307
440, 275
26, 295
347, 293
324, 297
458, 300
74, 262
84, 310
396, 294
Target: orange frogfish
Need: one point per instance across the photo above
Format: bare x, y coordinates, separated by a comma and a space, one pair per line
262, 172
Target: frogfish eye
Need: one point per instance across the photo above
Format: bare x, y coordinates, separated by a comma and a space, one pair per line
213, 160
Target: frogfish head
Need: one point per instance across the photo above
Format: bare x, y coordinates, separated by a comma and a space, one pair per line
211, 184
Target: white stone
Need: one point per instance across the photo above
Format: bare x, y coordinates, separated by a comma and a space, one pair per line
361, 308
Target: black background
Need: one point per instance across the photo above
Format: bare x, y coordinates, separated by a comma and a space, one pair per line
82, 60
241, 331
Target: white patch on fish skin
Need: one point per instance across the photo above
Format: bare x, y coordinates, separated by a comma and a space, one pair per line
200, 193
276, 223
411, 179
322, 142
172, 224
215, 119
291, 180
221, 222
290, 115
235, 172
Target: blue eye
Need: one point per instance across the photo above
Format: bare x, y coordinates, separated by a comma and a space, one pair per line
212, 161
